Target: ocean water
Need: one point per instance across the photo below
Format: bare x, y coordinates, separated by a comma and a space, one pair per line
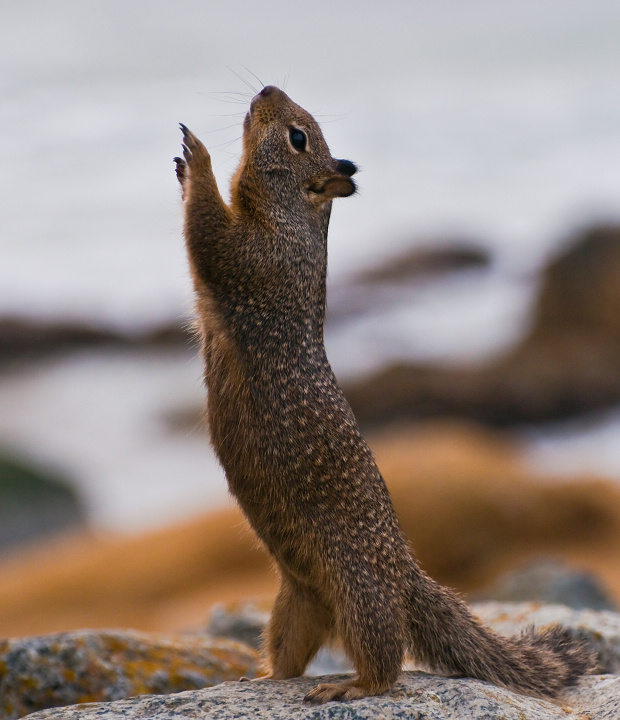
491, 120
106, 420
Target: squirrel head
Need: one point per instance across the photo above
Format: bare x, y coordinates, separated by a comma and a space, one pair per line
283, 144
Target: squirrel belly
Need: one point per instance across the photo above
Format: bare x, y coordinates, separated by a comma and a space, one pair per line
290, 446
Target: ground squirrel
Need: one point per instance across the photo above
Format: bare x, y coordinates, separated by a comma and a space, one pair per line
289, 443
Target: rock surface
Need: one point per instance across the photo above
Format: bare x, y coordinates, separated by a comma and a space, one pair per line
568, 364
39, 673
416, 697
70, 668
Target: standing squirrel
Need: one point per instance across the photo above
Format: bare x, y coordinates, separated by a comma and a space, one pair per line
289, 443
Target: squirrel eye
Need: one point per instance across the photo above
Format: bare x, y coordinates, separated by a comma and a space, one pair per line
297, 138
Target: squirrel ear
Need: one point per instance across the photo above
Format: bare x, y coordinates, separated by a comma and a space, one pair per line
333, 187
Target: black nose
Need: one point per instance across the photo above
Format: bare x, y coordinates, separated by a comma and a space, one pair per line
346, 167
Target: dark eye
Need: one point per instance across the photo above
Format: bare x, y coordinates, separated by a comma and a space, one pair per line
297, 138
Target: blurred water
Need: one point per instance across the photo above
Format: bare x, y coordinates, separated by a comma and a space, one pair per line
581, 446
490, 119
106, 419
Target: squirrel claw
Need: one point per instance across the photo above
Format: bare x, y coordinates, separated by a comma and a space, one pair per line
196, 157
181, 170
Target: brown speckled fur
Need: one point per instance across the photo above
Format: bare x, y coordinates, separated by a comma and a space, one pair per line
289, 443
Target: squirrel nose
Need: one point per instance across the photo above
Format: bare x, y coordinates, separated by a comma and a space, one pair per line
268, 90
346, 167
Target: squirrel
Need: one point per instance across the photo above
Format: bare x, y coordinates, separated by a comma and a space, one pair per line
288, 441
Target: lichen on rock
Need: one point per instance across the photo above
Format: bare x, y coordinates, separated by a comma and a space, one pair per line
81, 667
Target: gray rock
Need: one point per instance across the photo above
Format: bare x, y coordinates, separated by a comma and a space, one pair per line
329, 661
416, 696
34, 502
551, 581
242, 621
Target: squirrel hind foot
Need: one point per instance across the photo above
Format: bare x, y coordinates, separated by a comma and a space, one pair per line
336, 691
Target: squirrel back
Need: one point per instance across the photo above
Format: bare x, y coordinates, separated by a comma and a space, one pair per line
289, 443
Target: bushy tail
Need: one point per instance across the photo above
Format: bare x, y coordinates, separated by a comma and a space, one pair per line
448, 638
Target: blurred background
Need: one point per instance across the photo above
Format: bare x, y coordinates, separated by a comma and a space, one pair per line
473, 279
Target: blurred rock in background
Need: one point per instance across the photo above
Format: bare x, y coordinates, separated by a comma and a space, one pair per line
26, 340
567, 365
552, 582
34, 503
383, 284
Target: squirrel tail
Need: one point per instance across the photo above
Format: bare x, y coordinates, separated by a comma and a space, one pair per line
448, 638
